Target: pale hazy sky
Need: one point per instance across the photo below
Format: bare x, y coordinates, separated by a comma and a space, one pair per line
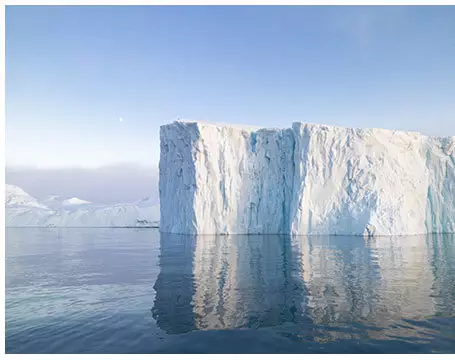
89, 86
122, 183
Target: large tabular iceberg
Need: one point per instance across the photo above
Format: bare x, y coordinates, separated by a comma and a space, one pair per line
310, 179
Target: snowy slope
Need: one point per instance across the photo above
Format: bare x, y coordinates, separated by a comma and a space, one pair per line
15, 196
310, 179
24, 210
58, 202
74, 201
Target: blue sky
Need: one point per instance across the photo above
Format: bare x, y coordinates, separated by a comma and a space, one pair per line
73, 72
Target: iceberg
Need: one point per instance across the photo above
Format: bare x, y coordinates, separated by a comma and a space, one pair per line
305, 180
22, 210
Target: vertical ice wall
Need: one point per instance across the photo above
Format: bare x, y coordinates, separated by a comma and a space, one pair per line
350, 180
225, 180
177, 180
245, 177
440, 161
310, 179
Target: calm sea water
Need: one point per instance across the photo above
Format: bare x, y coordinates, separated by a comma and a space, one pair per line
139, 291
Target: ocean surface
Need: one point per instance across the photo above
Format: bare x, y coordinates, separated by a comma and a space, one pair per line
139, 291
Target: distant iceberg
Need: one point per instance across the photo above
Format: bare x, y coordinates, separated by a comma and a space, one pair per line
308, 179
22, 210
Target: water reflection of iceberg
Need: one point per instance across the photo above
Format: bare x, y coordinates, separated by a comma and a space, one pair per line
173, 309
245, 281
416, 274
406, 277
340, 276
377, 282
443, 266
225, 282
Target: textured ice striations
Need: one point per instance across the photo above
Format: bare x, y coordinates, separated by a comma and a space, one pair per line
310, 179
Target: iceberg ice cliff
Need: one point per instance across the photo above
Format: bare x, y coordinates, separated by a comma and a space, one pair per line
309, 179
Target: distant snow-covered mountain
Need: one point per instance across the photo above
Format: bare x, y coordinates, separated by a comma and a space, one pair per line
24, 210
15, 196
58, 202
75, 201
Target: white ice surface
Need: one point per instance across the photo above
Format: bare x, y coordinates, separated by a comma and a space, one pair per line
23, 210
74, 201
309, 179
